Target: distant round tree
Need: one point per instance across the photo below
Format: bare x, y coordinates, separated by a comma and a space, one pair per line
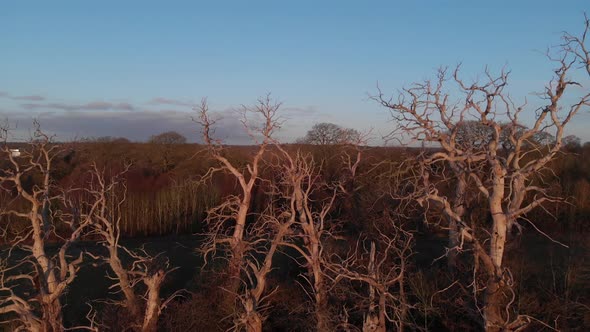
329, 134
169, 137
572, 142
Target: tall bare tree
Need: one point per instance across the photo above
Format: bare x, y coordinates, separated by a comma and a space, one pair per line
311, 227
227, 222
502, 175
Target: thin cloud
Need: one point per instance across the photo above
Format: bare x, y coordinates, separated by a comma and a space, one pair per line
29, 98
300, 111
168, 101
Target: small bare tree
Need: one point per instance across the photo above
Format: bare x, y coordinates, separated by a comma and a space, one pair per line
383, 269
502, 175
41, 209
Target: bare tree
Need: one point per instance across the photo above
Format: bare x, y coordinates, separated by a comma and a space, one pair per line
266, 238
227, 222
383, 269
290, 220
109, 195
43, 207
311, 228
502, 176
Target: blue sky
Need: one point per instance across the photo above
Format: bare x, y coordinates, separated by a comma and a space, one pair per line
133, 68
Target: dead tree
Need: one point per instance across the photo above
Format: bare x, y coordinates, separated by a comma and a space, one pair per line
290, 220
310, 229
500, 174
108, 194
227, 222
268, 234
11, 303
41, 209
265, 241
383, 269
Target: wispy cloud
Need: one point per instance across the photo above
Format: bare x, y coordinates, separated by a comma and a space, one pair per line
30, 98
92, 106
301, 111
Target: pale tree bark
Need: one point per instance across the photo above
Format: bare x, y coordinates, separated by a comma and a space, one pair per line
270, 232
499, 169
459, 203
233, 213
10, 302
107, 226
153, 306
53, 272
311, 229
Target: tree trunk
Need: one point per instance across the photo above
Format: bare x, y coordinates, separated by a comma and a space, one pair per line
52, 315
253, 319
494, 306
459, 209
233, 281
321, 298
152, 309
254, 323
234, 268
321, 312
125, 285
